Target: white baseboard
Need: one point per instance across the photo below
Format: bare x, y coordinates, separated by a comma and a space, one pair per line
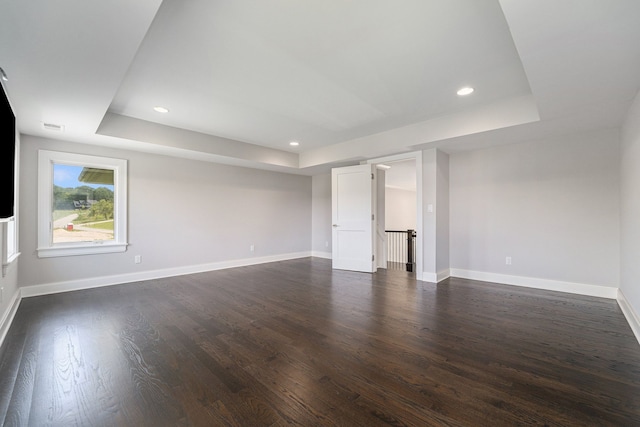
9, 314
95, 282
320, 254
436, 277
632, 317
429, 277
532, 282
443, 275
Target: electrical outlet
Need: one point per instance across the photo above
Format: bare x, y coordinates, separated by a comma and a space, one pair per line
252, 248
137, 259
508, 260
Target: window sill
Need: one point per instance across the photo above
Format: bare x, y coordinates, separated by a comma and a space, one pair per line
91, 249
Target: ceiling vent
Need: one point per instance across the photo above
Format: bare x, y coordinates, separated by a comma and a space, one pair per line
53, 127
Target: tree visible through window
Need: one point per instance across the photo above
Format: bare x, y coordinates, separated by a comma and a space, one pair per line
82, 204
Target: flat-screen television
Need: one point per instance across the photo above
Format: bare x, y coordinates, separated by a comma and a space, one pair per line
7, 157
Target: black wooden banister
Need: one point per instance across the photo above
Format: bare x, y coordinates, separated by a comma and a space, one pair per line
401, 253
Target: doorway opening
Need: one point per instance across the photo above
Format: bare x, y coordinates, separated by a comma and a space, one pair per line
400, 215
406, 176
359, 241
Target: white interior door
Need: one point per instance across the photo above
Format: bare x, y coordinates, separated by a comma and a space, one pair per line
352, 204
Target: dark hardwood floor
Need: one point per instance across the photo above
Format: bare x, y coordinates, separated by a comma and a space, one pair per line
297, 343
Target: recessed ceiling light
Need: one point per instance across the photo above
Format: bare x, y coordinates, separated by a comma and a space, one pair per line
294, 143
161, 109
465, 91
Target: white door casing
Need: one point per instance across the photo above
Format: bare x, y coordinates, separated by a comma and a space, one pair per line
352, 208
380, 229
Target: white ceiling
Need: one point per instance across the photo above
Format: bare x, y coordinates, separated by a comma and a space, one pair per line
349, 80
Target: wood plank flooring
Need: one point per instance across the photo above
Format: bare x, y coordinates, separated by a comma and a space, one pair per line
295, 343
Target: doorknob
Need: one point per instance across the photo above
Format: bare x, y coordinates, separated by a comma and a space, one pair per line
335, 225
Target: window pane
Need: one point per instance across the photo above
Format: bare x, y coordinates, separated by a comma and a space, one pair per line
82, 208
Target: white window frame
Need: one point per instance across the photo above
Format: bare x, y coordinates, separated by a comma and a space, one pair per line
46, 247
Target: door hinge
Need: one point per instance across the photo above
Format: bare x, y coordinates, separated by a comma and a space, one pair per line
372, 217
373, 257
371, 176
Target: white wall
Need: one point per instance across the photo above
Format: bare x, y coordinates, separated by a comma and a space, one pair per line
400, 209
181, 213
552, 205
10, 285
9, 281
321, 215
630, 210
436, 213
442, 214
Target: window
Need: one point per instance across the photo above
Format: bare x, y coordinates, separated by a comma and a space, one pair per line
81, 204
